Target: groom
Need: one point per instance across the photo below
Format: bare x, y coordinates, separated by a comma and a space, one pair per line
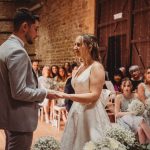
19, 92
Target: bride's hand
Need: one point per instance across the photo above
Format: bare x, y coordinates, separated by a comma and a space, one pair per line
52, 94
62, 94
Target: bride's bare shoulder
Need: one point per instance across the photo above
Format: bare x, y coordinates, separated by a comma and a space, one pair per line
98, 65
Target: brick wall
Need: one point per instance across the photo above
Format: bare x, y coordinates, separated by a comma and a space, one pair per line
61, 22
6, 11
6, 15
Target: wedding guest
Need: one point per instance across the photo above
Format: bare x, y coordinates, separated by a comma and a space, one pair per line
67, 66
54, 71
35, 66
136, 77
68, 87
123, 70
46, 82
128, 119
61, 81
117, 79
144, 92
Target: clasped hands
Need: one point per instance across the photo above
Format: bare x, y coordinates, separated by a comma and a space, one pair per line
52, 94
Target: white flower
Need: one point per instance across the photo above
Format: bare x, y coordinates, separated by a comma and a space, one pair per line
89, 146
114, 144
109, 144
121, 134
136, 106
106, 143
46, 143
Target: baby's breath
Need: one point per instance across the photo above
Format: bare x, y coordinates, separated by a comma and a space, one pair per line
136, 106
46, 143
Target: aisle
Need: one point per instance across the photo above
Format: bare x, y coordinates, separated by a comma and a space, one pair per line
43, 129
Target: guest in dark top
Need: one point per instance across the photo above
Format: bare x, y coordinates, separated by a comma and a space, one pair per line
35, 66
54, 71
67, 66
117, 79
68, 87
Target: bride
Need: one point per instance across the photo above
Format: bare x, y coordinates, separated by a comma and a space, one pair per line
87, 119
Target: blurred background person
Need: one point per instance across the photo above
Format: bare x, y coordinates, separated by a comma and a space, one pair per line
128, 119
54, 71
123, 70
35, 66
144, 92
68, 87
67, 66
135, 76
46, 82
117, 79
61, 81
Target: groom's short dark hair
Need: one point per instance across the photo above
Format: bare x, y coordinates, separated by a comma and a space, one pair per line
23, 15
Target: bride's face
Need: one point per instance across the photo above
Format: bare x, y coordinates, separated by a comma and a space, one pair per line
79, 48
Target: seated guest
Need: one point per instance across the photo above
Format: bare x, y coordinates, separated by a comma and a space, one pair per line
61, 81
144, 92
54, 71
136, 77
67, 66
123, 70
68, 87
117, 78
128, 119
46, 82
35, 66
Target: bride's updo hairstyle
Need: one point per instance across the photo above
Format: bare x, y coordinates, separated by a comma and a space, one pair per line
91, 42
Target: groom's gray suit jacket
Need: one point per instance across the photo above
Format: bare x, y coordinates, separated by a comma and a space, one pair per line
18, 88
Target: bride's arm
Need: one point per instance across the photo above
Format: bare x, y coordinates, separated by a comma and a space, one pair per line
97, 79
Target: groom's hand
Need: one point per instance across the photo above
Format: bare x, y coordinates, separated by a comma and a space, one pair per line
51, 94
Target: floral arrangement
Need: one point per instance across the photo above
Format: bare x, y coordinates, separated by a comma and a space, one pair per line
117, 138
147, 106
121, 134
138, 146
106, 143
89, 146
136, 106
46, 143
54, 85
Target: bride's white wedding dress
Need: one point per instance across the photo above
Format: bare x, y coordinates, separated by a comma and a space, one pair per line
85, 121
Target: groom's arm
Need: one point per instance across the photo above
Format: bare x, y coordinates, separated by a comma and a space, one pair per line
17, 64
